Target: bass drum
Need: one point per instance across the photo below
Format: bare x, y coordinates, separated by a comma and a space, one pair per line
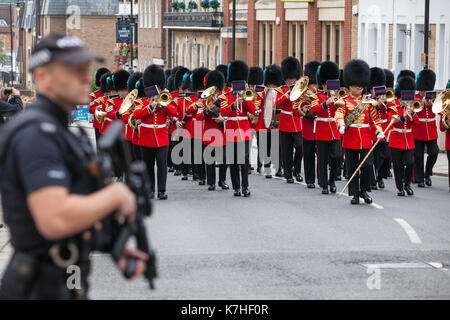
271, 114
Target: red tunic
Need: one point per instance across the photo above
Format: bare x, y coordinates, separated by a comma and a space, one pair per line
426, 128
357, 135
237, 126
153, 130
325, 125
112, 106
213, 134
447, 135
401, 136
93, 105
139, 103
289, 118
173, 127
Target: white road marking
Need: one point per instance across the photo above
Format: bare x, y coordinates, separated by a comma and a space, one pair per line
412, 234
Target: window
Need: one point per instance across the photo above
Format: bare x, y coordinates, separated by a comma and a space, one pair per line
140, 16
328, 40
264, 46
294, 38
201, 56
145, 14
266, 43
156, 14
271, 44
297, 40
149, 13
337, 40
302, 44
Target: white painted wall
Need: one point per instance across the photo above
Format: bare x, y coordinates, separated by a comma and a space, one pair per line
407, 17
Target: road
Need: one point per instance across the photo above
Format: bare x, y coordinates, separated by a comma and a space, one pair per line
290, 242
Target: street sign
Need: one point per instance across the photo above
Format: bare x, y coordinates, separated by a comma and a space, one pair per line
123, 32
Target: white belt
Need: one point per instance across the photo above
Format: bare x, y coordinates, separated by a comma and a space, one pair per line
426, 120
402, 130
383, 121
360, 125
108, 119
286, 112
237, 118
325, 119
153, 126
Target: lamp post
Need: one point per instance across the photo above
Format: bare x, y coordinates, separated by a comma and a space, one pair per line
426, 32
234, 29
131, 35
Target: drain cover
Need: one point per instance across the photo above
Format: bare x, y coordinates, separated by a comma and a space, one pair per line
402, 265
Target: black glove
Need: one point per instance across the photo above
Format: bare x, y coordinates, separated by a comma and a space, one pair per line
118, 115
324, 105
402, 118
378, 107
310, 115
174, 122
205, 112
233, 107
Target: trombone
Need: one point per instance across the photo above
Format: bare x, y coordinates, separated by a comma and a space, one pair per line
390, 95
415, 106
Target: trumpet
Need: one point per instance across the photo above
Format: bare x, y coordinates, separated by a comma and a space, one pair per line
99, 114
390, 95
164, 98
249, 94
415, 106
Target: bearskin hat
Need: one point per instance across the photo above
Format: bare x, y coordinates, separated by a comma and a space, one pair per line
406, 72
357, 73
197, 78
341, 78
377, 78
214, 78
120, 79
273, 75
237, 70
133, 79
291, 68
328, 70
223, 68
311, 71
404, 83
426, 79
104, 82
167, 73
154, 75
389, 78
178, 77
186, 82
255, 76
98, 75
170, 84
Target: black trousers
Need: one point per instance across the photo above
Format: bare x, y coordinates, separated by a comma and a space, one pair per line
289, 142
150, 155
448, 160
137, 152
329, 153
235, 167
309, 160
97, 136
361, 181
199, 168
382, 159
264, 148
432, 151
185, 166
169, 154
403, 164
211, 167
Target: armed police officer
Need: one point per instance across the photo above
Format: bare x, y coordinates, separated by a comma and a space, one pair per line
47, 199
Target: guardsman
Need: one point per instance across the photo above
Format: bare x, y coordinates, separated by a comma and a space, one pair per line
425, 132
401, 137
140, 103
94, 96
354, 117
199, 166
406, 73
308, 124
213, 132
99, 102
120, 82
327, 136
237, 129
290, 121
273, 78
128, 131
444, 126
103, 101
255, 78
381, 154
153, 133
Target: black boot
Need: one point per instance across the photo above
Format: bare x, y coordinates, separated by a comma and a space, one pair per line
184, 178
310, 185
177, 173
325, 190
298, 177
223, 185
237, 193
366, 197
408, 190
290, 180
428, 181
246, 192
421, 185
401, 193
332, 187
162, 195
171, 169
355, 200
279, 173
380, 183
202, 182
212, 187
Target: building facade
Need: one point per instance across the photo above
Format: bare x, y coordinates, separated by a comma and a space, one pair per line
152, 37
9, 22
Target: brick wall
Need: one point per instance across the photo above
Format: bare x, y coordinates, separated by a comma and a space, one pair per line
313, 34
432, 47
252, 35
227, 42
281, 34
391, 39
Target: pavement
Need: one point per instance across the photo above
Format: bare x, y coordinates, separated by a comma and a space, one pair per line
290, 242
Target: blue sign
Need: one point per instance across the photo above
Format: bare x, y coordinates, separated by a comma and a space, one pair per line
81, 113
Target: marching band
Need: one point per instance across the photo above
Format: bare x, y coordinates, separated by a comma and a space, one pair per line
191, 122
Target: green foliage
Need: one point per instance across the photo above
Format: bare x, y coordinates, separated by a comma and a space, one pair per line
192, 5
204, 4
182, 5
174, 5
3, 55
214, 4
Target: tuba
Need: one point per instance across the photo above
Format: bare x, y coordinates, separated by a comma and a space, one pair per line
128, 102
99, 114
441, 106
300, 88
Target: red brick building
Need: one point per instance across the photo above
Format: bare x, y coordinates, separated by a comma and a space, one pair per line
309, 30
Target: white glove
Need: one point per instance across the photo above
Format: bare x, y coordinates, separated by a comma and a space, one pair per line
341, 129
380, 135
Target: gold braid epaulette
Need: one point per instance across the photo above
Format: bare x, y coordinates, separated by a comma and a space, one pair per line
340, 103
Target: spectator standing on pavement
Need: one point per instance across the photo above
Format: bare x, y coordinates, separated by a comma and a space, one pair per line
10, 104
